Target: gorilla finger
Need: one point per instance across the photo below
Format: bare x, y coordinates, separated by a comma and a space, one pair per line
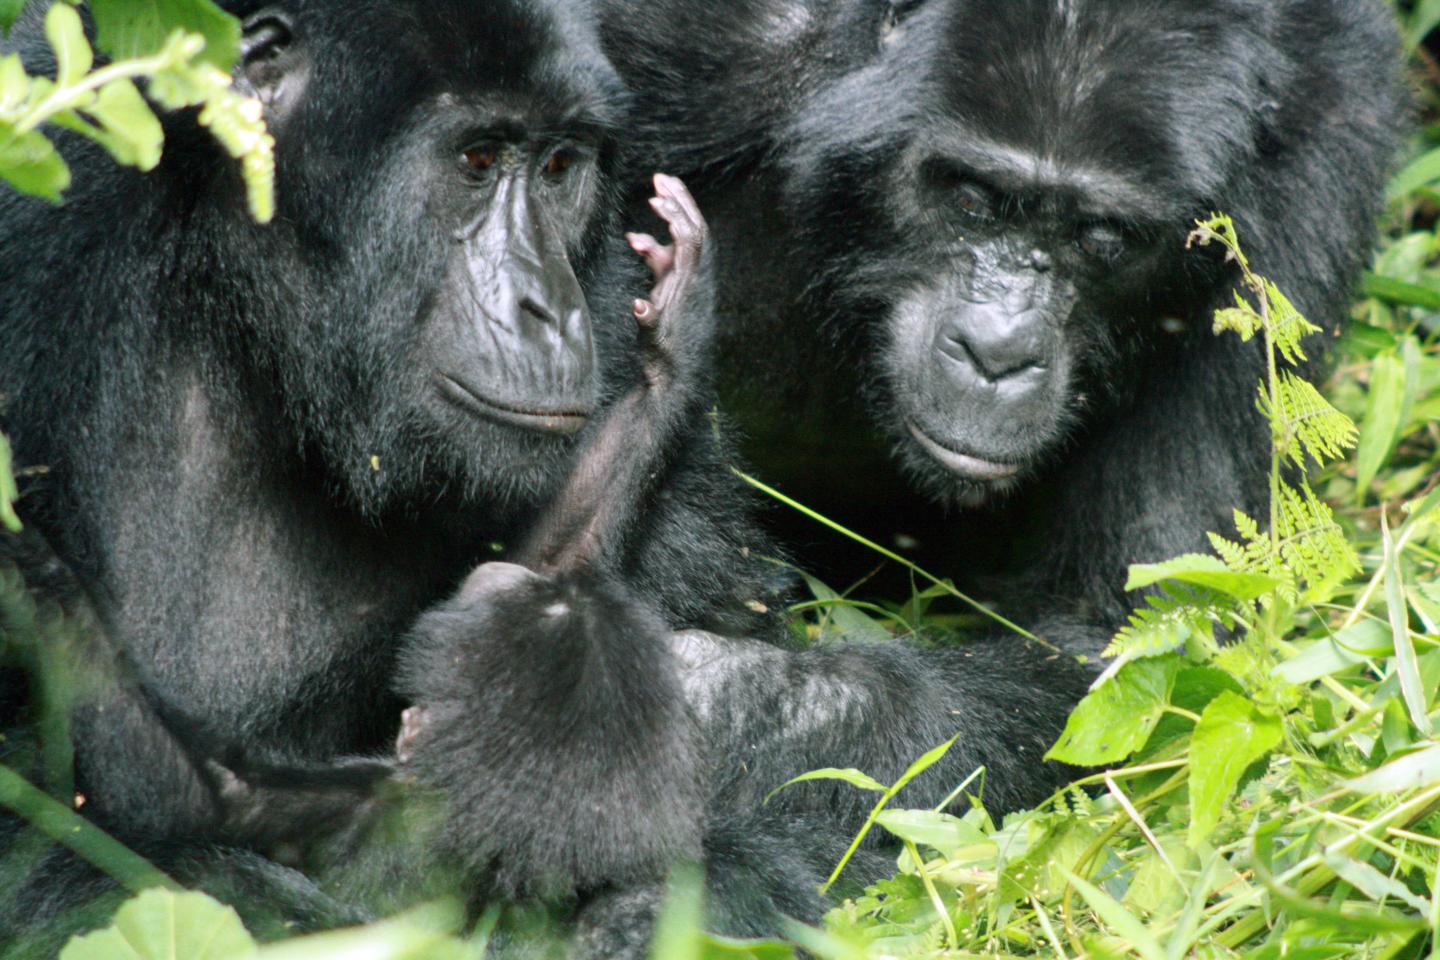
674, 188
658, 256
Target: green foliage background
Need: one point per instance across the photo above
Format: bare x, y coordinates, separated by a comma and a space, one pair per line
1275, 796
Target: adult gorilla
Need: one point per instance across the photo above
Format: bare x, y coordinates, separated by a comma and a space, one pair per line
954, 260
270, 449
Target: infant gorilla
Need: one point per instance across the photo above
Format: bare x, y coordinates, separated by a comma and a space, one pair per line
556, 690
550, 664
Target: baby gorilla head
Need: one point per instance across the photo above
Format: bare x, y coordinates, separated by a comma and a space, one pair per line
550, 717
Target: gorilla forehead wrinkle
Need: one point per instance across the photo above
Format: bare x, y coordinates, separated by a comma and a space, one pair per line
1110, 86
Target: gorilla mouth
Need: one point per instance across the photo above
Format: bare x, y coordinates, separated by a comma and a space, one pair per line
561, 420
963, 464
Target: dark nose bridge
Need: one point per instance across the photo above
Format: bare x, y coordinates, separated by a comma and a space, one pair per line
513, 257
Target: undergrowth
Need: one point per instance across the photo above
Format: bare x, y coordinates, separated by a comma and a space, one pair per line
1275, 795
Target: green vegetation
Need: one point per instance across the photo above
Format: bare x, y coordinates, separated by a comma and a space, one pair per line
1276, 795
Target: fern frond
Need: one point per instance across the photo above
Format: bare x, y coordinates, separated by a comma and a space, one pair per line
1287, 325
1311, 543
1242, 319
1306, 422
1169, 620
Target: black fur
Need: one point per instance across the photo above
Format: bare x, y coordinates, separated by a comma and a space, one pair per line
969, 217
259, 489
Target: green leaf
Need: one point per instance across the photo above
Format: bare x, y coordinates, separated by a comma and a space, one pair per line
851, 776
9, 492
135, 136
1116, 719
9, 10
1399, 291
1391, 394
163, 925
929, 760
30, 164
1232, 734
1411, 772
135, 28
1407, 665
73, 57
940, 831
678, 930
1423, 170
727, 948
1121, 921
847, 620
1327, 656
1202, 570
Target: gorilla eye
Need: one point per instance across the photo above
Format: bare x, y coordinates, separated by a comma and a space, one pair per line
1104, 241
481, 157
560, 163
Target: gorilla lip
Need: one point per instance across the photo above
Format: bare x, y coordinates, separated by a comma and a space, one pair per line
546, 421
963, 463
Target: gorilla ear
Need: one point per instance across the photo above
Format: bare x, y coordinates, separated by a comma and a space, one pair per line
271, 63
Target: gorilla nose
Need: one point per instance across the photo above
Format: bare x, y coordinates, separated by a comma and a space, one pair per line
995, 344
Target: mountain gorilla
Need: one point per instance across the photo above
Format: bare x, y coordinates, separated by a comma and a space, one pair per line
953, 232
270, 449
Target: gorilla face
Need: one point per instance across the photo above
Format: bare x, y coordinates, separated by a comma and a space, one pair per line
1008, 215
434, 319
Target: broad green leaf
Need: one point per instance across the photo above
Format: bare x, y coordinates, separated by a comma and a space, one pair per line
727, 948
163, 925
66, 34
135, 28
1410, 772
425, 933
940, 831
1202, 570
852, 623
1354, 645
1232, 734
135, 137
9, 10
1423, 170
1372, 882
1116, 719
1398, 291
851, 776
30, 164
14, 83
9, 493
1385, 412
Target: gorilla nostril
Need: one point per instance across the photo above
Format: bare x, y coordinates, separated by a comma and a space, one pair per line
539, 310
993, 362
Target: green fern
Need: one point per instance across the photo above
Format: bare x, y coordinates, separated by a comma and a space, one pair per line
1303, 551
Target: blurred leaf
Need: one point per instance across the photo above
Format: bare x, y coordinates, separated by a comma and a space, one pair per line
1387, 407
1423, 170
135, 137
1120, 920
678, 930
9, 10
1407, 666
1398, 291
1362, 641
1412, 771
134, 28
1425, 18
1202, 570
939, 831
163, 925
9, 492
31, 165
1116, 719
66, 34
1232, 734
850, 622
